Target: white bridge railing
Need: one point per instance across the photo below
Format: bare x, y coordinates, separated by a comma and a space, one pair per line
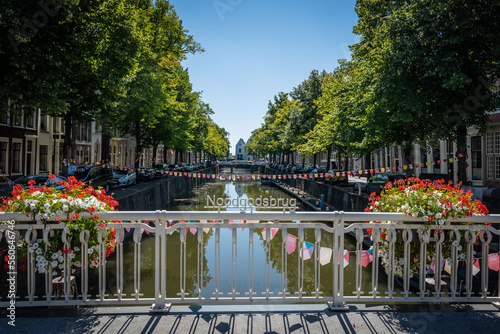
244, 272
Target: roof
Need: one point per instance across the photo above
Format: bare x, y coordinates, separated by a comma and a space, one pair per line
495, 118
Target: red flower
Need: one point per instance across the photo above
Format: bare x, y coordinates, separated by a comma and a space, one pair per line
52, 176
31, 182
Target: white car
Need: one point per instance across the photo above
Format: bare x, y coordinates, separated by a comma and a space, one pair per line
124, 177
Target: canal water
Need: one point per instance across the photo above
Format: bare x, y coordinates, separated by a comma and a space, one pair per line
196, 201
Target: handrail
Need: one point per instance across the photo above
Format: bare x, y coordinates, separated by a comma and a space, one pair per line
332, 235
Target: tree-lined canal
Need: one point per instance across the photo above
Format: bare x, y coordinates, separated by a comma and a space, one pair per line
235, 259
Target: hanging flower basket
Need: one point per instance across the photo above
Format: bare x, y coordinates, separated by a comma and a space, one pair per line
49, 203
435, 203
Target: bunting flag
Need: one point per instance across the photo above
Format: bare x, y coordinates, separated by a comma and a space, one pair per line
205, 229
291, 243
307, 250
325, 255
193, 230
475, 267
346, 258
366, 258
273, 232
493, 261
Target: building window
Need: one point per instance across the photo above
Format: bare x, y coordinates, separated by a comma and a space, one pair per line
30, 119
497, 142
489, 143
3, 157
16, 157
44, 153
491, 167
4, 113
43, 123
477, 168
17, 116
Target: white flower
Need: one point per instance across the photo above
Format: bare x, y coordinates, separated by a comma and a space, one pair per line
439, 215
65, 208
54, 256
45, 216
35, 245
39, 251
30, 249
462, 256
32, 206
60, 259
61, 266
441, 222
45, 263
71, 255
41, 270
77, 249
40, 258
455, 243
459, 248
91, 250
54, 264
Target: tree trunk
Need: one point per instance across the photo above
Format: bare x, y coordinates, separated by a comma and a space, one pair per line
462, 154
138, 146
68, 142
329, 154
407, 160
105, 143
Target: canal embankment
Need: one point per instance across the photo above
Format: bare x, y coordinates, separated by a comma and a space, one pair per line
158, 194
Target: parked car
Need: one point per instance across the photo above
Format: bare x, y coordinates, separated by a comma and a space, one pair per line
378, 181
296, 169
160, 169
124, 177
95, 176
146, 173
40, 180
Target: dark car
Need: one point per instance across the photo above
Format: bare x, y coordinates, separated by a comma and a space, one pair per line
146, 173
40, 180
160, 169
95, 176
378, 181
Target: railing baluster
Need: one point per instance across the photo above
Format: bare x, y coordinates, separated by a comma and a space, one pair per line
182, 261
439, 237
300, 273
84, 239
469, 261
137, 236
485, 244
407, 239
424, 240
250, 263
30, 238
217, 263
391, 238
284, 264
359, 271
375, 262
199, 274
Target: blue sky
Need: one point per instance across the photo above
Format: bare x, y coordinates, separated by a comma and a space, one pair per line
255, 49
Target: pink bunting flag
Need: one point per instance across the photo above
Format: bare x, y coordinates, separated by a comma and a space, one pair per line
493, 261
291, 243
346, 258
127, 229
307, 250
366, 258
273, 233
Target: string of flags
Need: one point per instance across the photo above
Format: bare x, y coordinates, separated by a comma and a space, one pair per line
326, 254
243, 177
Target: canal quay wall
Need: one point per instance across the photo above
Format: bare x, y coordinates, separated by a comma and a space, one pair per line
158, 194
335, 196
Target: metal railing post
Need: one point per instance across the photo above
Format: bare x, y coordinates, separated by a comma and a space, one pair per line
338, 303
160, 265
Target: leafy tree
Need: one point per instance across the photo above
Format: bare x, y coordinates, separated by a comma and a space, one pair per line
429, 60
